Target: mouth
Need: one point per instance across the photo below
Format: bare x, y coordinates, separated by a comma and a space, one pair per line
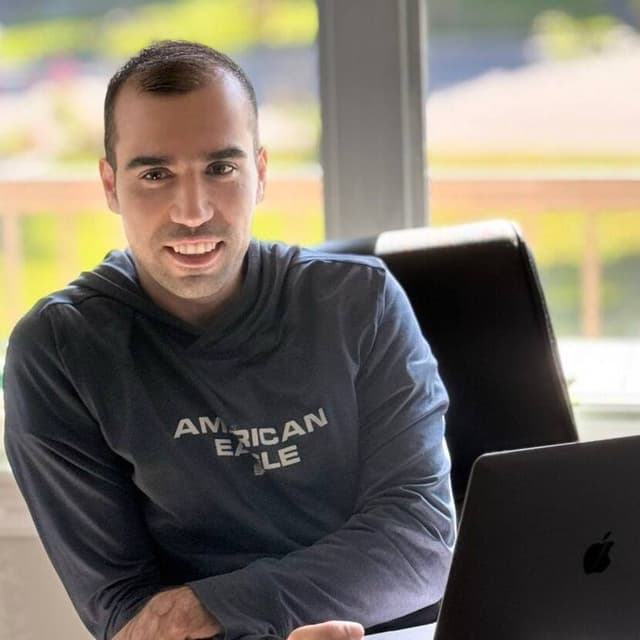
194, 254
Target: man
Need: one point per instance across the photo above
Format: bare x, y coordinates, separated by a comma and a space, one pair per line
216, 435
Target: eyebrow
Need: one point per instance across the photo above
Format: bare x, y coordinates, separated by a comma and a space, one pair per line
227, 152
154, 161
147, 161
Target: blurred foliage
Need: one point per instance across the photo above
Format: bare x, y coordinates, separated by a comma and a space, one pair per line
14, 141
558, 35
561, 285
34, 40
50, 261
557, 239
234, 25
518, 15
230, 25
621, 296
67, 103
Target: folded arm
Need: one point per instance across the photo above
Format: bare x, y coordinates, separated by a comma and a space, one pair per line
389, 558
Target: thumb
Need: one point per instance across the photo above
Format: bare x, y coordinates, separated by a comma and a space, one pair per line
332, 630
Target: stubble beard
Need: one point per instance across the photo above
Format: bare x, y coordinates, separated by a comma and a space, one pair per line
158, 278
197, 286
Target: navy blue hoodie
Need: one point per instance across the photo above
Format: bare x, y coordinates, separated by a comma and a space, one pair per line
287, 461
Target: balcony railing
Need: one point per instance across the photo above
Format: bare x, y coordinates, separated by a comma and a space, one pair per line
528, 197
459, 196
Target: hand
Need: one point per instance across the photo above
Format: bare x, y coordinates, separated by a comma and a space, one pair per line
175, 614
332, 630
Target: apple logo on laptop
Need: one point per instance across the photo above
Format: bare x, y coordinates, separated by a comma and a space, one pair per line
596, 558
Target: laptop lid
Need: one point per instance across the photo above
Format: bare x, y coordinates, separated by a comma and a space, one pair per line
548, 546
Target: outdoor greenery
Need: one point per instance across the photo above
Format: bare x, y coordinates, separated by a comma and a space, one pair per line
558, 34
230, 25
557, 239
62, 124
237, 25
97, 232
497, 15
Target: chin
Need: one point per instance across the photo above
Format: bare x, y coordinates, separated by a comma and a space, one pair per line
198, 292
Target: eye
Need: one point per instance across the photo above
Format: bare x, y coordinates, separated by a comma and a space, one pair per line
220, 169
154, 175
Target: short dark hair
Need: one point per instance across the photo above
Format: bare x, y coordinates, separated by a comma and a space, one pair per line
172, 66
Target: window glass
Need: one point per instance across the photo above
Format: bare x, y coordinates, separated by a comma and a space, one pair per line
55, 63
532, 115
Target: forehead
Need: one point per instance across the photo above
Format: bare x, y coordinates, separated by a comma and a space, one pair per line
217, 114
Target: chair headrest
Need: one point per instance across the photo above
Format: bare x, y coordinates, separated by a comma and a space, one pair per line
405, 240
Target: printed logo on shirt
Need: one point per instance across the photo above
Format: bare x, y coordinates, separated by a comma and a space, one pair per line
264, 444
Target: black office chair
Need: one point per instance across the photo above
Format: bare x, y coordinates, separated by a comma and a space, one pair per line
477, 296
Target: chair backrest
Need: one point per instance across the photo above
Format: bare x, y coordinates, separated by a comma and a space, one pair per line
477, 296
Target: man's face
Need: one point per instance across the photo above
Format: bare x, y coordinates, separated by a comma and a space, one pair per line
186, 183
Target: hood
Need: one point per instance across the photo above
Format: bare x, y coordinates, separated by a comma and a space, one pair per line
245, 316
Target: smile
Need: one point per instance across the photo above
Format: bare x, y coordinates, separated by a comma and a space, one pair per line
194, 248
195, 255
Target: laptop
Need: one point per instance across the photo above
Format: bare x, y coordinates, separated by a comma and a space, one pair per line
548, 546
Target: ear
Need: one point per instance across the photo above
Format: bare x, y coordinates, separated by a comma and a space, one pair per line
108, 177
261, 164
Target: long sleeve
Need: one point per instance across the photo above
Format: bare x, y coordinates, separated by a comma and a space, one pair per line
392, 556
79, 493
130, 496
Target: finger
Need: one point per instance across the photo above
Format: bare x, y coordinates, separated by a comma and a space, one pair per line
332, 630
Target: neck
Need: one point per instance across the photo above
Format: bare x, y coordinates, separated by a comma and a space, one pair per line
197, 311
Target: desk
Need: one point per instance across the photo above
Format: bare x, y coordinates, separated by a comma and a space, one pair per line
423, 632
26, 575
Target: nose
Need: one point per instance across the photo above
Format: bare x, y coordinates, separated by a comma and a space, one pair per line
192, 205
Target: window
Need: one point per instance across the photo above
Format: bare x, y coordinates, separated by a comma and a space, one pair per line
54, 67
531, 117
